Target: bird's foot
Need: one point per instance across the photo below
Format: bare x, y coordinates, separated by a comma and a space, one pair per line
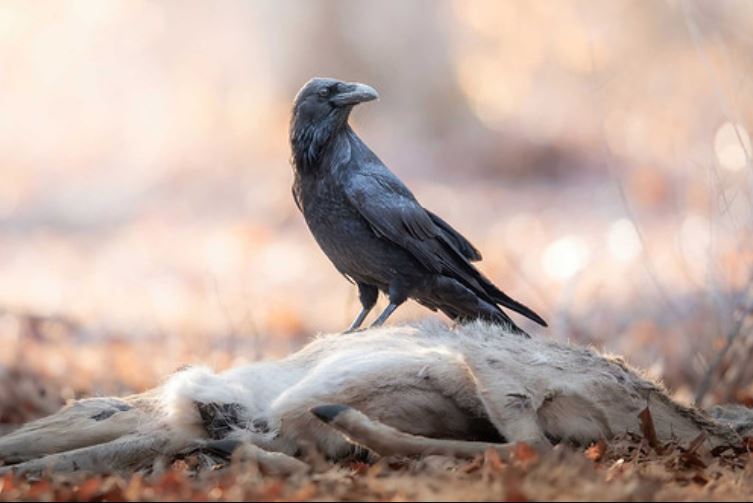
353, 330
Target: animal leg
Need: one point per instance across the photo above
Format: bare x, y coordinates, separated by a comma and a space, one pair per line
240, 448
83, 423
387, 441
385, 314
509, 407
368, 295
506, 406
126, 453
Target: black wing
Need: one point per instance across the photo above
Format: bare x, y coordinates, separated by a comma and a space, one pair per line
461, 243
392, 212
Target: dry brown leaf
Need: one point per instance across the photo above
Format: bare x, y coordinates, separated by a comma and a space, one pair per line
649, 430
170, 482
133, 489
39, 490
473, 465
513, 485
698, 441
88, 489
6, 484
493, 461
359, 467
595, 451
524, 453
305, 493
700, 479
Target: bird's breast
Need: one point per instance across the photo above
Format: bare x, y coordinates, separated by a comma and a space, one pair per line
344, 235
331, 218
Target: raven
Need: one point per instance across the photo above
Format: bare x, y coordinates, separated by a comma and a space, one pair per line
371, 226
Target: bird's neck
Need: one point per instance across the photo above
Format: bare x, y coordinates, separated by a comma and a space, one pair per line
311, 143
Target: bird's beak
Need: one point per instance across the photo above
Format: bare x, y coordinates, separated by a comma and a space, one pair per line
355, 93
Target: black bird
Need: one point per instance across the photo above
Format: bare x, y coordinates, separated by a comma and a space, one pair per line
371, 226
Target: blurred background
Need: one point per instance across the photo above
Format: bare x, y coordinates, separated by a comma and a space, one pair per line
597, 153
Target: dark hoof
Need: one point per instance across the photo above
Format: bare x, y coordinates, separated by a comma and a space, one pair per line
328, 412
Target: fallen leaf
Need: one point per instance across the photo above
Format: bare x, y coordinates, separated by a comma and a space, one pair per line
700, 479
39, 490
88, 489
524, 453
596, 451
649, 430
133, 489
473, 465
359, 467
493, 461
698, 441
6, 483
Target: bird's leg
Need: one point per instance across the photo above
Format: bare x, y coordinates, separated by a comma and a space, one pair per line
397, 297
368, 295
385, 314
359, 320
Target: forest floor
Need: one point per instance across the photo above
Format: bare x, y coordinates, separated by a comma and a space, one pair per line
624, 470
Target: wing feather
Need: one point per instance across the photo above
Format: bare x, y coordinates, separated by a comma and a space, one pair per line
461, 243
396, 215
393, 213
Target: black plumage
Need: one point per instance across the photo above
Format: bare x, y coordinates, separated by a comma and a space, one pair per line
371, 226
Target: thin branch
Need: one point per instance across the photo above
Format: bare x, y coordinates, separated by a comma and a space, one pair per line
733, 334
648, 263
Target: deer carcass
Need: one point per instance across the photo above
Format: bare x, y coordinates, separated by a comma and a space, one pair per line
411, 390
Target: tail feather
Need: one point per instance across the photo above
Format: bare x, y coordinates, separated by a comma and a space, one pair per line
463, 304
505, 300
458, 240
473, 279
499, 318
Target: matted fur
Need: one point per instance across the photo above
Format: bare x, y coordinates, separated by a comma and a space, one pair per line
418, 388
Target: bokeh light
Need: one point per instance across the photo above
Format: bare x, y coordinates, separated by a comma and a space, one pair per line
732, 146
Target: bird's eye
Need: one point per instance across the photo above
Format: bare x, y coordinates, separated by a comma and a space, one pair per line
324, 92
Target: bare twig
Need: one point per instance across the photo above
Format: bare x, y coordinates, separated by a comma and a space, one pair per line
225, 312
648, 263
737, 373
732, 335
741, 307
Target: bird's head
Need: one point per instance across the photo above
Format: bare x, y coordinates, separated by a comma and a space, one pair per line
320, 110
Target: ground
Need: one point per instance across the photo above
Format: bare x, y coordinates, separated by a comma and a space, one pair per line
625, 470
